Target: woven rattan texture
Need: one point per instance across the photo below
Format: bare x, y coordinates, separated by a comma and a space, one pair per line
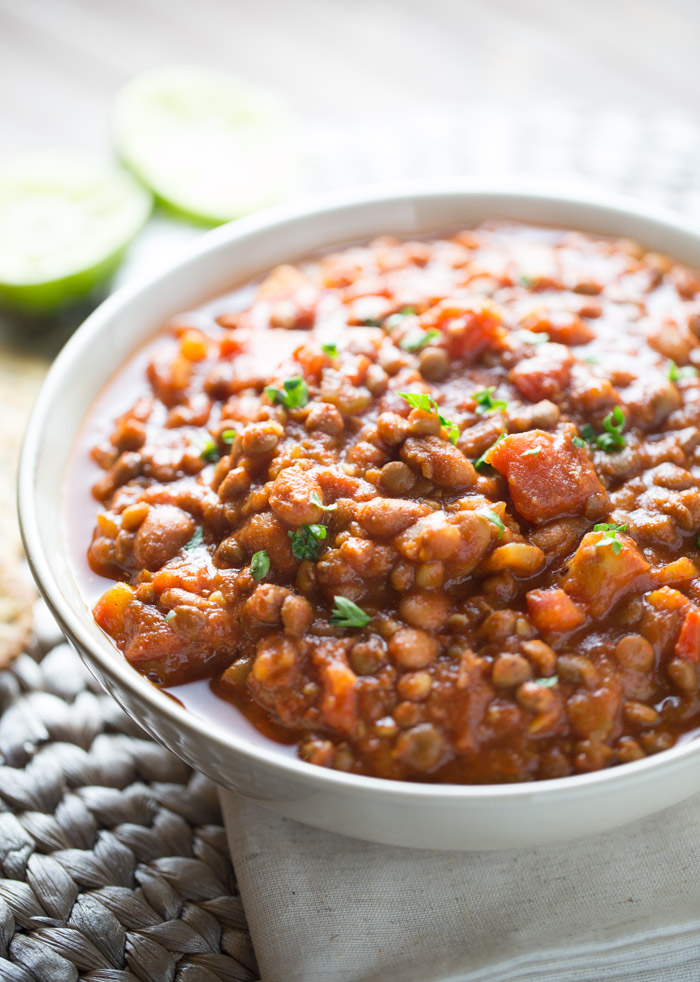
114, 865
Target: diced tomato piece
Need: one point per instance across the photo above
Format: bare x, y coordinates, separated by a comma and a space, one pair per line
470, 326
545, 375
554, 611
548, 476
688, 643
599, 576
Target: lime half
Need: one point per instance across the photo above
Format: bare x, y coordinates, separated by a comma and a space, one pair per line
211, 147
64, 227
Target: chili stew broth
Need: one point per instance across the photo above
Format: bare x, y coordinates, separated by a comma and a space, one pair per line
428, 509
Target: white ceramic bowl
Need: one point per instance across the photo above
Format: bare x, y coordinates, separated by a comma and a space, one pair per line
430, 816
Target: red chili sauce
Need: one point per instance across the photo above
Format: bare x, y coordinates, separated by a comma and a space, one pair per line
428, 510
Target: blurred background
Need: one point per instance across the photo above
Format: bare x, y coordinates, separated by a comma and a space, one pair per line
337, 61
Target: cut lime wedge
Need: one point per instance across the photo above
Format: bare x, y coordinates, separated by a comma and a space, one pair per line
211, 147
64, 227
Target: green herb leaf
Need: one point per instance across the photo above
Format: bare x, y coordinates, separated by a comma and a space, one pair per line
306, 541
394, 320
578, 442
348, 614
169, 616
210, 451
492, 517
531, 337
260, 564
485, 403
316, 500
196, 540
419, 340
480, 462
610, 538
371, 322
421, 400
532, 452
330, 349
526, 280
228, 436
294, 395
547, 683
612, 438
591, 359
677, 374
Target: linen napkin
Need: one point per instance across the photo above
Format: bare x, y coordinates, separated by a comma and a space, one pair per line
622, 906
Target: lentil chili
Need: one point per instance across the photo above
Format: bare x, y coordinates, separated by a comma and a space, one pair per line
430, 509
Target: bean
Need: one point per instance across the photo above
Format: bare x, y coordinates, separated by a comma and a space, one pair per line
520, 558
422, 747
368, 656
291, 494
639, 714
683, 674
633, 651
397, 477
510, 670
425, 608
629, 750
392, 428
161, 535
411, 648
543, 657
577, 669
415, 686
297, 615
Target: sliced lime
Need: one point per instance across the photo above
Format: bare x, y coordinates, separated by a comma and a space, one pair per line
64, 227
211, 147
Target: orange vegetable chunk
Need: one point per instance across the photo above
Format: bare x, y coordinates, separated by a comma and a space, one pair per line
554, 611
552, 483
599, 576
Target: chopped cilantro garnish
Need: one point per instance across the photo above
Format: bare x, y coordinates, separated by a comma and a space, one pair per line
526, 280
228, 436
210, 451
492, 517
610, 538
371, 322
421, 400
260, 564
533, 451
677, 374
393, 320
348, 614
531, 337
306, 541
330, 349
196, 540
612, 438
316, 500
481, 461
578, 442
591, 359
169, 616
485, 403
293, 395
419, 340
548, 682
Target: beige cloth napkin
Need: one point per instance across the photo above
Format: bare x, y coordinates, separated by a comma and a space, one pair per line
624, 906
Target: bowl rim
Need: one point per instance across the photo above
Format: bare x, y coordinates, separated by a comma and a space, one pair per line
308, 209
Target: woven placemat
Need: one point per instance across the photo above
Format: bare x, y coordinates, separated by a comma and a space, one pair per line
113, 861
